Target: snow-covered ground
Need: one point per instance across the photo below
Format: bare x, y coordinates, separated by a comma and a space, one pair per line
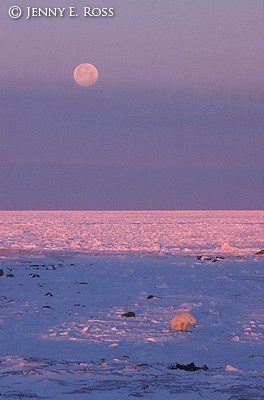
63, 335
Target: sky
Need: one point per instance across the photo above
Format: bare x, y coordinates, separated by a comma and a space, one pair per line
175, 121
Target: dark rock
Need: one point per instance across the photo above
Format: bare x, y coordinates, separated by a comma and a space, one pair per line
35, 275
129, 314
1, 272
261, 252
218, 258
49, 294
46, 307
151, 296
10, 275
188, 367
81, 283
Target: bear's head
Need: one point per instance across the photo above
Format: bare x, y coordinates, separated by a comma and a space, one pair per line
192, 321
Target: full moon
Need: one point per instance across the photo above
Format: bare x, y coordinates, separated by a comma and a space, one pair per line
85, 74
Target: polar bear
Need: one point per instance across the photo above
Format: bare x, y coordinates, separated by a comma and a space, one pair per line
182, 321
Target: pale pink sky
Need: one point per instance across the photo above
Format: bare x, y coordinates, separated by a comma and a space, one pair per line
171, 42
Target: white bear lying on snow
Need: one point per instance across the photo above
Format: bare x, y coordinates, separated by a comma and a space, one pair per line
182, 321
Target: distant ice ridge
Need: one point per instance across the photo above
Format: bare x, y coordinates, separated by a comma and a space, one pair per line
135, 232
